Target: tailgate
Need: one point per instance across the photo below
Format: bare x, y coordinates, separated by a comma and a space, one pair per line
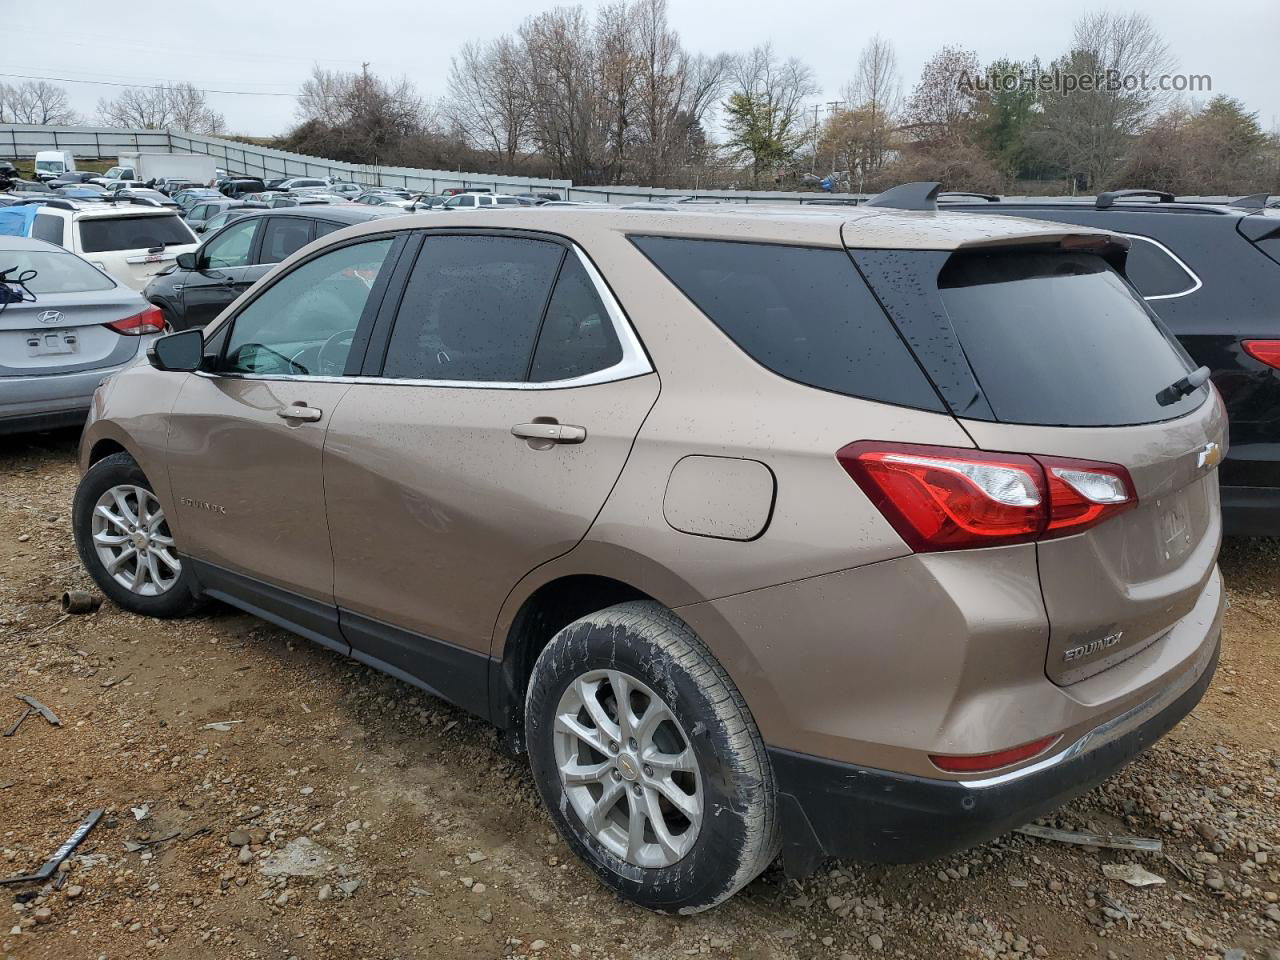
1119, 587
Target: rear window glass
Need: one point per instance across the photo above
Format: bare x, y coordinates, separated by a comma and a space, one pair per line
55, 272
1059, 339
802, 312
132, 233
1153, 272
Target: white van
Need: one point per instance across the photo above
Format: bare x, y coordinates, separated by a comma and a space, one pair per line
51, 164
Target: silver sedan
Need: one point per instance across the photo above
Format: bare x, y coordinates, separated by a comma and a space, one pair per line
64, 326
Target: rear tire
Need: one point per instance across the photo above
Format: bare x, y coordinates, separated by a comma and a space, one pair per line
695, 776
118, 522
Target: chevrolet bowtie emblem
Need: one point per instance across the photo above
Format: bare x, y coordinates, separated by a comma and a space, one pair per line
1209, 456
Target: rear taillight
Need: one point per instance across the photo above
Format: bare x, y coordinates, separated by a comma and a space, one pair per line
951, 498
984, 762
1264, 351
150, 320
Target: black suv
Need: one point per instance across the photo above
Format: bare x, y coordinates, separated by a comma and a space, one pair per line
1211, 271
230, 261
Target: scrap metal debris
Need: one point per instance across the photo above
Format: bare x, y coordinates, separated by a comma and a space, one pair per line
222, 726
64, 851
80, 601
1132, 874
1083, 839
41, 708
17, 723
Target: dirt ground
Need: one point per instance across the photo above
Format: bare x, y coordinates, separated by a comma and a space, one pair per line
340, 814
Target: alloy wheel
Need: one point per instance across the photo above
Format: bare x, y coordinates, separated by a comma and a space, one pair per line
628, 769
133, 542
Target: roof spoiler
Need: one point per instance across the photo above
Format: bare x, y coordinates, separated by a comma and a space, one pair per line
1109, 198
1255, 201
921, 195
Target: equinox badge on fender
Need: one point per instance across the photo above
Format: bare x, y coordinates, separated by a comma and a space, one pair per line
1092, 647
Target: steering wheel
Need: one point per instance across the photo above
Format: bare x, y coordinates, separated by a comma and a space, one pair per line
339, 339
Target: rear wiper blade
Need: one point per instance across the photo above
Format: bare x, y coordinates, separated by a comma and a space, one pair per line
1175, 391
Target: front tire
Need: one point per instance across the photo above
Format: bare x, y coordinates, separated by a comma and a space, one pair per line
649, 761
125, 543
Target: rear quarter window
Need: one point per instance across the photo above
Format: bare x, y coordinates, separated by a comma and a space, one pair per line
48, 227
802, 312
1154, 272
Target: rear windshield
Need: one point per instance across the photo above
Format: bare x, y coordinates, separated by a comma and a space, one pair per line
132, 233
802, 312
55, 272
1059, 339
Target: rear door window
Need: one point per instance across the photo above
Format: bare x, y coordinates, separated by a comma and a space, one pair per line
283, 236
1154, 272
1059, 339
472, 308
802, 312
99, 235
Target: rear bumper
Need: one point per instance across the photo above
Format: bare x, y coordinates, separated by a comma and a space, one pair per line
832, 809
54, 400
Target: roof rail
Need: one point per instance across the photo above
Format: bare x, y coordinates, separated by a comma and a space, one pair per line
953, 194
51, 202
832, 202
921, 195
139, 201
1255, 201
1109, 198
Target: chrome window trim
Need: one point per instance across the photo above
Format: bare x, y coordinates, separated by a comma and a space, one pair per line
634, 362
1197, 283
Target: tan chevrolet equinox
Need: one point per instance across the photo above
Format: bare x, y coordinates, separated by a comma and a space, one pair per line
867, 533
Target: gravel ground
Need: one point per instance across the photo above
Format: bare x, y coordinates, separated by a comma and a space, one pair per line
341, 814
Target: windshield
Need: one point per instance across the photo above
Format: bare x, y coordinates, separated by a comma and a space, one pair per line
50, 166
132, 233
55, 272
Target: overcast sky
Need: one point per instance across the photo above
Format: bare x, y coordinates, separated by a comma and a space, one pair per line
1234, 41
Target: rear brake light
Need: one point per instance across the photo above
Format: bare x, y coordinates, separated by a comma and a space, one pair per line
150, 320
951, 498
1264, 351
983, 762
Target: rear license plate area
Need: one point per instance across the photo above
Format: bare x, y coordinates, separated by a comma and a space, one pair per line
1175, 525
52, 343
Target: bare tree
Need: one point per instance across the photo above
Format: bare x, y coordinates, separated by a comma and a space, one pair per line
358, 117
765, 108
674, 92
35, 101
488, 97
1088, 131
872, 99
944, 104
567, 123
181, 106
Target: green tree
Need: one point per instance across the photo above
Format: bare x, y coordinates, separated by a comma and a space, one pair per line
1010, 113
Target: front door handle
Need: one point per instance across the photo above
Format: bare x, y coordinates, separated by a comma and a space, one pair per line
300, 411
551, 432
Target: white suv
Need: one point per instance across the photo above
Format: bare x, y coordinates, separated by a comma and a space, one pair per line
131, 241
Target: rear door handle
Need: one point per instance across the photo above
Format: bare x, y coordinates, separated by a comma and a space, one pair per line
300, 412
553, 432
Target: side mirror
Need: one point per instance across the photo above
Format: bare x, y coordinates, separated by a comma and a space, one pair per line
179, 352
187, 261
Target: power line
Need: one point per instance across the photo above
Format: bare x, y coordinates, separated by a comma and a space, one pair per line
146, 86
